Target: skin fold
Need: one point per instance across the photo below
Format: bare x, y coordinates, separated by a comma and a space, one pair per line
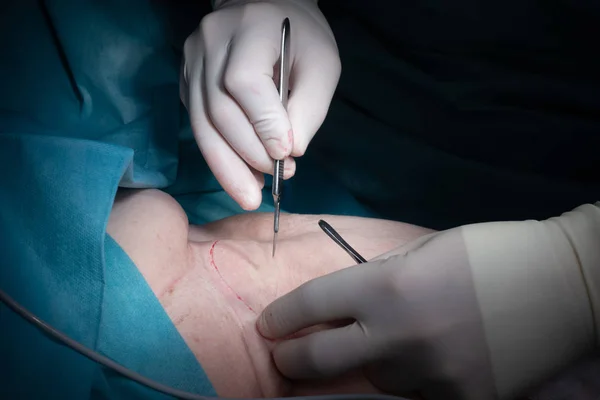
214, 280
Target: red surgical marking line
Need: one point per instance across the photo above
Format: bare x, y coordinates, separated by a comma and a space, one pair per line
214, 265
171, 288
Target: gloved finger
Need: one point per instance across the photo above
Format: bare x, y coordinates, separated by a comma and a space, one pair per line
324, 353
227, 116
259, 176
288, 172
289, 167
249, 80
313, 84
231, 171
328, 298
407, 247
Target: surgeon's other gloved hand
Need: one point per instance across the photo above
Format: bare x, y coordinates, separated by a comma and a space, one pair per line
227, 84
479, 312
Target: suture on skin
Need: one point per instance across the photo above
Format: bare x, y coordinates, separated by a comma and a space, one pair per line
211, 258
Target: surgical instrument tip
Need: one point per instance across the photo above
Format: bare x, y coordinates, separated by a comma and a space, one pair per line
277, 212
337, 238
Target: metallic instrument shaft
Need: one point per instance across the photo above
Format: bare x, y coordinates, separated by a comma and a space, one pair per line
283, 88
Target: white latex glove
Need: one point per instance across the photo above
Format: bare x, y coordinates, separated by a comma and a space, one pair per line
479, 312
228, 87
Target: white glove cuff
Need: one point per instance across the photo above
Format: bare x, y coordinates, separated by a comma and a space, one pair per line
582, 228
533, 295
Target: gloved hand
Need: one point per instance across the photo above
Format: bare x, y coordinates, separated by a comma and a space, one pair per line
417, 323
227, 84
479, 312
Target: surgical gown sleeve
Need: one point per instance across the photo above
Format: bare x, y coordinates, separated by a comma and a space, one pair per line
538, 286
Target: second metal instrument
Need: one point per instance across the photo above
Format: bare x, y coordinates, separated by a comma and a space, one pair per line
282, 87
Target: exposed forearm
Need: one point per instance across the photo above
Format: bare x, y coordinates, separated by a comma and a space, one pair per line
538, 285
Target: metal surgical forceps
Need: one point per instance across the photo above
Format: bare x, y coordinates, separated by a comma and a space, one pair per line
339, 240
282, 87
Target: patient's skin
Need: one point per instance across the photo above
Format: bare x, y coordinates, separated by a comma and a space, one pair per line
214, 280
